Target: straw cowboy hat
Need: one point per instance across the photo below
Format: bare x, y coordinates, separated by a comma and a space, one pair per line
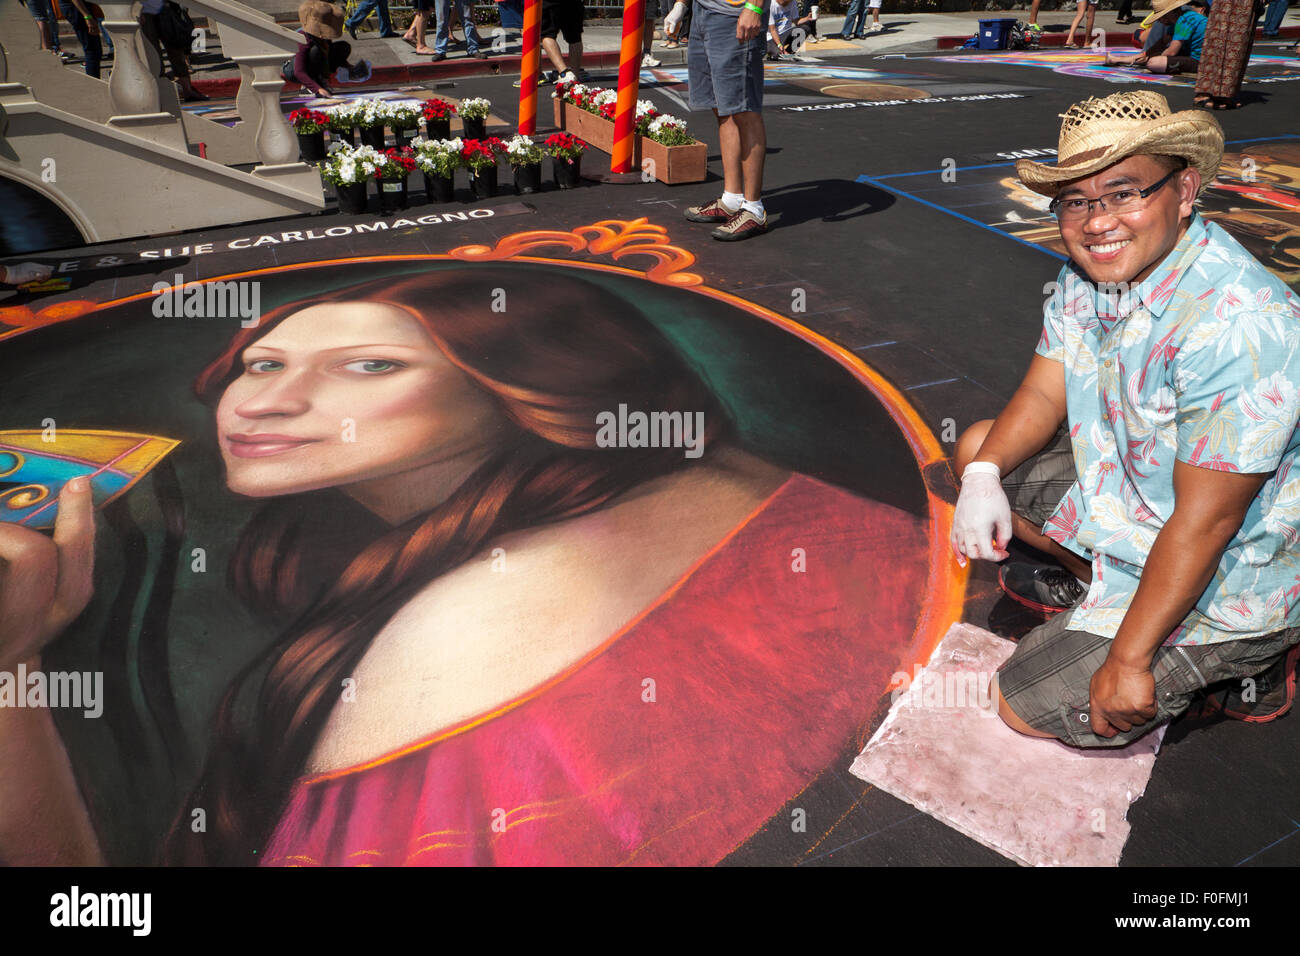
1159, 9
1100, 132
321, 19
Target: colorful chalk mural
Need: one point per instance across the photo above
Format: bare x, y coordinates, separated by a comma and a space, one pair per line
447, 558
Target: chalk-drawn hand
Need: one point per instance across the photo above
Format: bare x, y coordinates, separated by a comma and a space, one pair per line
1121, 697
45, 583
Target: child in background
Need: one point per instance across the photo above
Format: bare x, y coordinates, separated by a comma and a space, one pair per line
1090, 8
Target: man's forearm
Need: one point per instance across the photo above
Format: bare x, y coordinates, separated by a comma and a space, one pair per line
1029, 421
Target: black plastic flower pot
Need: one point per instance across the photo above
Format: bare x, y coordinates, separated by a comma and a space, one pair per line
311, 146
439, 128
567, 173
352, 198
528, 178
372, 136
475, 128
404, 136
439, 188
484, 182
392, 194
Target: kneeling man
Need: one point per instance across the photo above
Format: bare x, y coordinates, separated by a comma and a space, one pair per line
1151, 448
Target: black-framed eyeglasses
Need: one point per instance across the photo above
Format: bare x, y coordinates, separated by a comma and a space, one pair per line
1117, 203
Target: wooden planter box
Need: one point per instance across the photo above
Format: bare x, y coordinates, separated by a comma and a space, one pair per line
672, 164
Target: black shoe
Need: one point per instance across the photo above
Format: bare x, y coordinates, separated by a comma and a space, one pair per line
438, 56
1046, 588
481, 55
1273, 692
352, 31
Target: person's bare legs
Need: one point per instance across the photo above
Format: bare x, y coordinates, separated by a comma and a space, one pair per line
743, 140
1074, 24
419, 26
1092, 13
968, 446
753, 152
552, 50
733, 176
1033, 12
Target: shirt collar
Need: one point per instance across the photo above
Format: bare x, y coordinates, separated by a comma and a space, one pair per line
1157, 290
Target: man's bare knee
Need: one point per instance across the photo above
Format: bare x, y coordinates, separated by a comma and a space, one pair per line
968, 445
1012, 720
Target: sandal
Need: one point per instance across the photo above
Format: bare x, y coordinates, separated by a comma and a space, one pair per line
1071, 46
1225, 103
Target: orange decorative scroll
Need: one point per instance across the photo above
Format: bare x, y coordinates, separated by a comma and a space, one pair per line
615, 238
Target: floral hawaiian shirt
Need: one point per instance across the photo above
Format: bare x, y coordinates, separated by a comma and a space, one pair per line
1200, 362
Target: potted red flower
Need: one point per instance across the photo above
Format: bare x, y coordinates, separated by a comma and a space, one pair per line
437, 118
565, 151
480, 157
310, 125
397, 164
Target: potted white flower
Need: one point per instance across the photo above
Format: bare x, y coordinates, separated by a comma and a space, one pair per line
438, 159
404, 120
473, 114
525, 158
371, 117
350, 169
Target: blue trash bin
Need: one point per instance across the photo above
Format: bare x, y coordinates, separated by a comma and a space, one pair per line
995, 34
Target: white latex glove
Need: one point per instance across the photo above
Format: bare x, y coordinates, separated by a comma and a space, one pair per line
23, 272
674, 18
981, 522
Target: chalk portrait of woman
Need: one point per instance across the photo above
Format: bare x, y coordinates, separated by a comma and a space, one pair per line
494, 639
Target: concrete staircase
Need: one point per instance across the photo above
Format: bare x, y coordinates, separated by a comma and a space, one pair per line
120, 158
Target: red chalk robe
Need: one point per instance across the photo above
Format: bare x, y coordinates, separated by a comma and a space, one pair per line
761, 676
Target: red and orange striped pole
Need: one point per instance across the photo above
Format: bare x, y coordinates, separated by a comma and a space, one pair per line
629, 85
528, 67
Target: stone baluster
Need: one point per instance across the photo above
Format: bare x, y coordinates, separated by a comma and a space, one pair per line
133, 89
276, 142
246, 100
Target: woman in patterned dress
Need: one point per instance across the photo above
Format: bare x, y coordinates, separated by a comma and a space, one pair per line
1228, 40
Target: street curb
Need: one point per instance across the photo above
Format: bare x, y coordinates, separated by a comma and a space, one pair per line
1113, 38
416, 72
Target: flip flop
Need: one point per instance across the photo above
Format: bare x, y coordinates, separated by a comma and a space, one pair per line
1071, 46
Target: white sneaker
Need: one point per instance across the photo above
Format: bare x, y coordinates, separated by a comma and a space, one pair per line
649, 60
567, 77
875, 28
814, 40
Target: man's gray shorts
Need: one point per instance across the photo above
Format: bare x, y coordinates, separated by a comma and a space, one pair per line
724, 74
1037, 486
1047, 679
